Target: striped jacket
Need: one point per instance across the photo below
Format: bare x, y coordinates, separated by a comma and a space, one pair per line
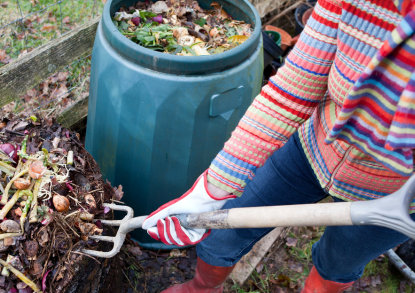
306, 95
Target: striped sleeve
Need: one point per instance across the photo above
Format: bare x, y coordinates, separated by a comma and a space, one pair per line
286, 102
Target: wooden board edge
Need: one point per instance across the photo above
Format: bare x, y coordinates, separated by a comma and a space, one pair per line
74, 113
248, 263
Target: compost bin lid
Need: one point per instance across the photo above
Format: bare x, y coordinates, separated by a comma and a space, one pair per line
185, 65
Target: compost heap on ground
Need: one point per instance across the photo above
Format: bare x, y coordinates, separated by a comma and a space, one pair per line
181, 27
54, 190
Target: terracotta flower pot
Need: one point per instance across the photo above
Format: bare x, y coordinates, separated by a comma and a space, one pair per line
285, 37
307, 15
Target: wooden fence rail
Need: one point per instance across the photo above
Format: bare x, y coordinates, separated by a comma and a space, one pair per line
23, 74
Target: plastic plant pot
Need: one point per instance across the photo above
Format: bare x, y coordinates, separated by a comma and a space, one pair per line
299, 12
275, 36
271, 49
286, 39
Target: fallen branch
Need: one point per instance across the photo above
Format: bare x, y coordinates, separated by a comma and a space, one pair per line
292, 7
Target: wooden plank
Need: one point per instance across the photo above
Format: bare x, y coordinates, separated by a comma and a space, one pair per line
248, 263
74, 113
22, 74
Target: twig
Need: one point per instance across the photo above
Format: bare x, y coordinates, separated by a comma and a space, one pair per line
14, 132
93, 191
50, 252
118, 201
86, 255
131, 285
294, 6
71, 228
71, 214
77, 202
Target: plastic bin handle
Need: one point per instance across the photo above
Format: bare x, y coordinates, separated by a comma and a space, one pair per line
226, 101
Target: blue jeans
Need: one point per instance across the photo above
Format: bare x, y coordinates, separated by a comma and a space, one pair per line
287, 178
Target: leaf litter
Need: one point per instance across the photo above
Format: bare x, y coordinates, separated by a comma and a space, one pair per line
54, 191
181, 27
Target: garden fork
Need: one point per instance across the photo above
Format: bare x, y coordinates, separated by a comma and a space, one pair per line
390, 211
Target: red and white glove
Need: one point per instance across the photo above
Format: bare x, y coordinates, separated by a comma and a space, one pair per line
161, 226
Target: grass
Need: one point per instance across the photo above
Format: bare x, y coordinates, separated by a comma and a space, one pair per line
27, 24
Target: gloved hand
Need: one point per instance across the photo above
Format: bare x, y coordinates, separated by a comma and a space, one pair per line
161, 226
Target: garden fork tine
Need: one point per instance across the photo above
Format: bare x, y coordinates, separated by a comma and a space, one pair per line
127, 224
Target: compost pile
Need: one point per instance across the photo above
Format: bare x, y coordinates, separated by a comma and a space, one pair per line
55, 191
181, 27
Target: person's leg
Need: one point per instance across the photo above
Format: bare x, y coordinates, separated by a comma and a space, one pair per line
286, 178
343, 252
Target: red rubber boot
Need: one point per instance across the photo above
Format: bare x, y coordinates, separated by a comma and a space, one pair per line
316, 284
208, 279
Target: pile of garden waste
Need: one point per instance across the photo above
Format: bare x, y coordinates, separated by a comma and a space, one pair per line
52, 195
181, 27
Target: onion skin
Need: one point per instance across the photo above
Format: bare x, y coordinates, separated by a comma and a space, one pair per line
10, 150
136, 20
158, 19
60, 203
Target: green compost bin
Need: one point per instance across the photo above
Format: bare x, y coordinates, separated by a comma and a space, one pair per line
155, 120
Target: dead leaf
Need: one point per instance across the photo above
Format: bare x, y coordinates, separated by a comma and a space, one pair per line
88, 229
21, 36
52, 19
45, 85
61, 92
82, 161
20, 126
296, 267
8, 241
118, 192
135, 250
375, 281
4, 4
28, 23
62, 76
2, 54
48, 27
66, 19
259, 267
43, 236
215, 5
31, 248
49, 121
291, 242
402, 286
24, 52
177, 253
4, 58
